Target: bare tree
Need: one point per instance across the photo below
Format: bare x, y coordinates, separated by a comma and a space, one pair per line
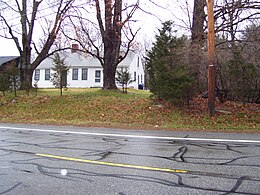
109, 39
232, 16
24, 33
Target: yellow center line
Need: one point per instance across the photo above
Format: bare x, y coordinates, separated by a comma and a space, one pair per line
113, 164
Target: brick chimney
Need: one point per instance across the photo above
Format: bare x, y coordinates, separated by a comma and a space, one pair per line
74, 48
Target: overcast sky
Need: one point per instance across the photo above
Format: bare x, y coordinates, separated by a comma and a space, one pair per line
175, 10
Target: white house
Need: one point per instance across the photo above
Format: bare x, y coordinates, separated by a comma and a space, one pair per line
86, 71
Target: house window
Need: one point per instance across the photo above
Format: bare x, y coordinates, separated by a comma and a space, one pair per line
75, 74
84, 74
134, 76
141, 78
47, 74
37, 75
97, 76
138, 62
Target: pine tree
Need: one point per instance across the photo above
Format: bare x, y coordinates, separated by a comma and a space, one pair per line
124, 78
12, 73
59, 78
4, 82
169, 78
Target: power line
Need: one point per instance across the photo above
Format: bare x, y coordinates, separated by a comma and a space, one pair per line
40, 10
37, 18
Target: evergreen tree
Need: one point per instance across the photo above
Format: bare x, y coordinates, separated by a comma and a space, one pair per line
12, 73
124, 78
4, 82
169, 78
59, 78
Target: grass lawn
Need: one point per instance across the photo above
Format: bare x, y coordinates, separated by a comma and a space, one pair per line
95, 107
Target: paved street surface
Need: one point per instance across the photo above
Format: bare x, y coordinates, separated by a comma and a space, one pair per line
37, 160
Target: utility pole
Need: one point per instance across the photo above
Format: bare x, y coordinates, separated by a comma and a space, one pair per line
211, 60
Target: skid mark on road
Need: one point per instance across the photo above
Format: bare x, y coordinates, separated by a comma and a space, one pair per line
112, 164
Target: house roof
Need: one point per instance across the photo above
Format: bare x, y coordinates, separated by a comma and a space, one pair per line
78, 59
5, 59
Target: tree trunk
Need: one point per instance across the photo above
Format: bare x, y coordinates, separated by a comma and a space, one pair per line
27, 83
109, 71
111, 37
197, 39
26, 71
61, 83
198, 21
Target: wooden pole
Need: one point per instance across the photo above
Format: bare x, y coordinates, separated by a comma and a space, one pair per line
211, 60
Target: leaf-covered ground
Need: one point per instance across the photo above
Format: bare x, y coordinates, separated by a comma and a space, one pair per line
94, 107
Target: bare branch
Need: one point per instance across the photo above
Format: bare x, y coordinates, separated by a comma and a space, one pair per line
12, 35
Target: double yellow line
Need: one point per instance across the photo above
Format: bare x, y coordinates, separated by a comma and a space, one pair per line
112, 164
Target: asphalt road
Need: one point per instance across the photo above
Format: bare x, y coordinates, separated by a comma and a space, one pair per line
37, 160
